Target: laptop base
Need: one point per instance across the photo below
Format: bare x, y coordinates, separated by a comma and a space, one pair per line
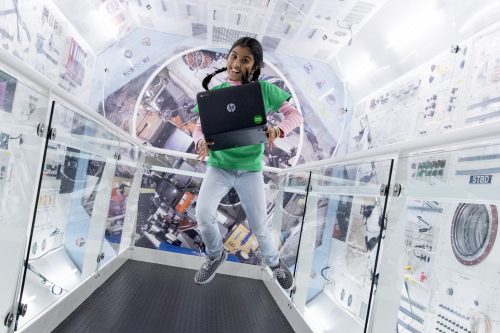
238, 138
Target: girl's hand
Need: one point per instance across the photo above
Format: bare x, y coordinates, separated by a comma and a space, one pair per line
272, 134
202, 148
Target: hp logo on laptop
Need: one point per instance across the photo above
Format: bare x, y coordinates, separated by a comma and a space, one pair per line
231, 107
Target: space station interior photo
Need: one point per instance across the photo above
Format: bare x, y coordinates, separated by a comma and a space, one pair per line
383, 203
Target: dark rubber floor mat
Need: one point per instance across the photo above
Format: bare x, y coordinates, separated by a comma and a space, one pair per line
145, 297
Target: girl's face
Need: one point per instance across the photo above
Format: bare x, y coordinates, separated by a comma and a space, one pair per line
239, 61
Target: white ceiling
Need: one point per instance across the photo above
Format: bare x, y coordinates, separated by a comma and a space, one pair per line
368, 42
312, 29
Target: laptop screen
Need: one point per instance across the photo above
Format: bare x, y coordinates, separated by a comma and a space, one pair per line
231, 109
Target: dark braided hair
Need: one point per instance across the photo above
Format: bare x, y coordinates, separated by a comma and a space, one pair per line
258, 55
209, 77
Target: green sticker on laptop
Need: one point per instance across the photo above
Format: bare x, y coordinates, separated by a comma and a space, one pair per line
257, 119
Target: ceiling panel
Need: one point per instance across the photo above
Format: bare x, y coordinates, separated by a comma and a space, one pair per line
304, 28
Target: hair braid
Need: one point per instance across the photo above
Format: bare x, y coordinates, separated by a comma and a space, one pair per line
244, 77
209, 77
256, 74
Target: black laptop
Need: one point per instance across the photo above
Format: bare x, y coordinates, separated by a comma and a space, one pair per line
233, 116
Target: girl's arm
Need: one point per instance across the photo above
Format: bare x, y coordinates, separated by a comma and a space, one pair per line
293, 118
197, 133
200, 145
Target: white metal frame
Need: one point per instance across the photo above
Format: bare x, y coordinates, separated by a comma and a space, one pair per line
193, 262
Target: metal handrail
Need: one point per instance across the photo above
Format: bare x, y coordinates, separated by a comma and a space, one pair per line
156, 150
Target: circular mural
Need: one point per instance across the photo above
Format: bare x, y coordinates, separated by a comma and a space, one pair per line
164, 116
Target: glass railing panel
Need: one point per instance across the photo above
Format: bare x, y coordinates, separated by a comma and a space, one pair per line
339, 245
449, 266
70, 219
123, 201
289, 215
166, 210
119, 206
22, 109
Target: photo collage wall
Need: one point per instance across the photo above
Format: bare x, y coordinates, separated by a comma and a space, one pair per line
454, 90
39, 35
